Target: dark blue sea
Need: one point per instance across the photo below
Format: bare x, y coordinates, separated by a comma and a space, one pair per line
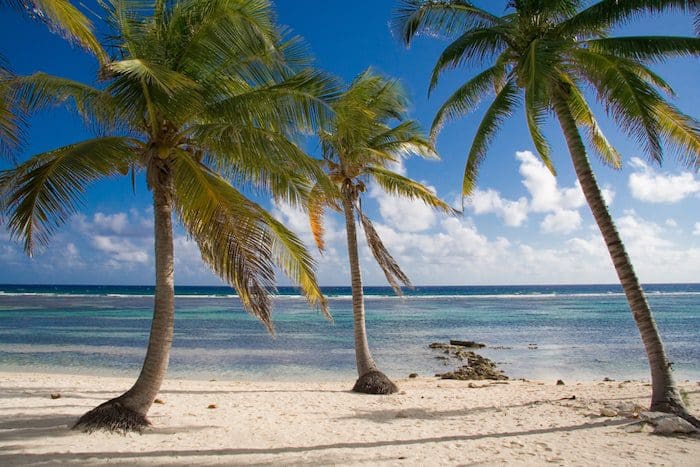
582, 332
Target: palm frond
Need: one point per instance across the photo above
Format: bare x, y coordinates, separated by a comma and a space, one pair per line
596, 139
261, 158
66, 19
239, 240
392, 271
629, 99
681, 132
646, 48
300, 102
41, 194
437, 17
598, 18
475, 45
396, 184
40, 90
501, 107
465, 99
152, 74
12, 116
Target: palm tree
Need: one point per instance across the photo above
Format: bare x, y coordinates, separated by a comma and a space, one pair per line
360, 146
202, 93
546, 51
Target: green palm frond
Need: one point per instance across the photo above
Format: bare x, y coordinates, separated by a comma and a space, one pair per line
502, 107
475, 45
646, 48
12, 115
42, 193
40, 90
396, 184
465, 99
301, 100
392, 271
629, 99
681, 132
64, 18
596, 139
443, 17
265, 159
598, 18
152, 74
240, 241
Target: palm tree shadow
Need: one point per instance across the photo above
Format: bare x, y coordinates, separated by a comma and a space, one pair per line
63, 457
417, 413
37, 427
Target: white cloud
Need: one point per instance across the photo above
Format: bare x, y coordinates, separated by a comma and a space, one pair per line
560, 204
671, 223
402, 213
696, 229
563, 221
120, 250
513, 213
647, 184
542, 186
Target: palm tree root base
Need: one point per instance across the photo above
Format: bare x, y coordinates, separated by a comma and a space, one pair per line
678, 410
375, 382
112, 416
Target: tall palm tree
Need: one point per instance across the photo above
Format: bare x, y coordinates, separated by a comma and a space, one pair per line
543, 53
360, 146
201, 93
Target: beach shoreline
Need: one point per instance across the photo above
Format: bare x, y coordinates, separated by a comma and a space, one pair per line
430, 421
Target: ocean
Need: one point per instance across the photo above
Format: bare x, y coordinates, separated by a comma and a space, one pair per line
574, 332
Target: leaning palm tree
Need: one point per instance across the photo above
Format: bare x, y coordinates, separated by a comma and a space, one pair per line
201, 93
543, 53
360, 146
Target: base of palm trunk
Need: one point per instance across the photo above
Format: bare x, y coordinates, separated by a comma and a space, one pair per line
676, 409
375, 382
112, 416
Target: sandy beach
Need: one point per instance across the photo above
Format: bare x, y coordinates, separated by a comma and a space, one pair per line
430, 421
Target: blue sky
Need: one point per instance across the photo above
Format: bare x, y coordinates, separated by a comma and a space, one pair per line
522, 225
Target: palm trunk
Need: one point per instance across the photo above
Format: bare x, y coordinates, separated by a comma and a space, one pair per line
371, 380
363, 357
128, 411
665, 396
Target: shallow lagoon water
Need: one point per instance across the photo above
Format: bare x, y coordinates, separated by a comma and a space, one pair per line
580, 332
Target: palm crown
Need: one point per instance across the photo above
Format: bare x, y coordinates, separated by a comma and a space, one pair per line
199, 94
546, 48
362, 145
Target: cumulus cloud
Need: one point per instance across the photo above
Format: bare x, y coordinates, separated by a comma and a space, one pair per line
513, 213
650, 185
696, 229
563, 221
120, 250
559, 204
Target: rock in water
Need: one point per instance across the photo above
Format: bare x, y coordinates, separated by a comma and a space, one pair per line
470, 344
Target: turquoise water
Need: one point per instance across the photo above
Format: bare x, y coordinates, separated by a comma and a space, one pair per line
581, 332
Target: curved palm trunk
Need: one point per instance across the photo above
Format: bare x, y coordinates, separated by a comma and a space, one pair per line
665, 396
370, 380
128, 411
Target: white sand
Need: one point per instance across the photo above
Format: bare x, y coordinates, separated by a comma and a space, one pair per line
430, 422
